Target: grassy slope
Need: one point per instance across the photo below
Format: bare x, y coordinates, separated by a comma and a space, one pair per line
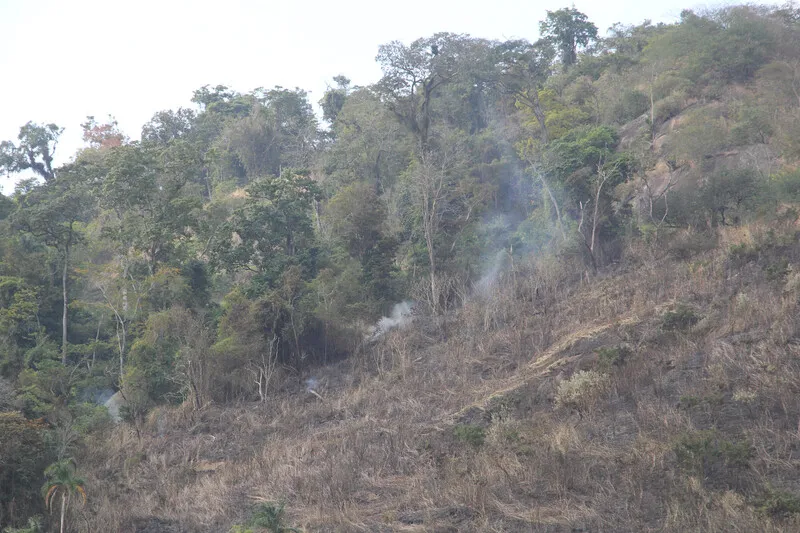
690, 433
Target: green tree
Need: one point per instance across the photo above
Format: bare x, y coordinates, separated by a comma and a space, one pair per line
35, 151
54, 212
273, 229
62, 481
18, 311
371, 145
411, 76
334, 98
569, 30
22, 462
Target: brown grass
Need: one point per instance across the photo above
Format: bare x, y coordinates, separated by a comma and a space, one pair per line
379, 451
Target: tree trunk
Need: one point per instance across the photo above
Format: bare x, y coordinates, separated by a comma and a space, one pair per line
64, 318
602, 181
121, 339
434, 290
555, 204
652, 116
63, 509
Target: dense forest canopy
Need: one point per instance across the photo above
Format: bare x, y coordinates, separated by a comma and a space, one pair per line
247, 238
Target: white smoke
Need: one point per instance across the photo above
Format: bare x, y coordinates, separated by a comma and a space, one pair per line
400, 317
484, 285
312, 384
101, 397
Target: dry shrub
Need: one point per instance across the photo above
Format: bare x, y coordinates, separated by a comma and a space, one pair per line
582, 391
381, 452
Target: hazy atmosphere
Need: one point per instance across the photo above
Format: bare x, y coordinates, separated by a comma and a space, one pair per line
420, 267
79, 58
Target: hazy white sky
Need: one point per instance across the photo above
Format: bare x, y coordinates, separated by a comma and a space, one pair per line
62, 60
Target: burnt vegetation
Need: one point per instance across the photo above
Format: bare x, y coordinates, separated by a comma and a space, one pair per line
510, 286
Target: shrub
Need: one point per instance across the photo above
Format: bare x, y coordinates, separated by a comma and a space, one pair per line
704, 452
470, 434
668, 107
23, 457
581, 390
778, 270
682, 317
266, 516
778, 503
609, 357
741, 254
34, 525
632, 104
688, 245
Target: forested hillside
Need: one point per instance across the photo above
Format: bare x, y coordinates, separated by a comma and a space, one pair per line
510, 286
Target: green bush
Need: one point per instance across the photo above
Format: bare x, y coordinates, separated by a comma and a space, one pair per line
669, 107
681, 318
266, 516
786, 186
632, 104
470, 434
686, 246
778, 270
778, 503
704, 452
610, 357
35, 525
741, 254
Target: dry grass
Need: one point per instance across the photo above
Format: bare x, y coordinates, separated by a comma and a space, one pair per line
379, 452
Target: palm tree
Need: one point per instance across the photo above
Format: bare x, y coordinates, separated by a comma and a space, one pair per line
62, 480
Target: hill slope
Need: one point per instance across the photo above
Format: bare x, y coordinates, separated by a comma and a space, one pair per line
661, 396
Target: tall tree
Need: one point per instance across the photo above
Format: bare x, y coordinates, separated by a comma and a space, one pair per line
35, 151
272, 228
334, 98
569, 30
53, 212
412, 74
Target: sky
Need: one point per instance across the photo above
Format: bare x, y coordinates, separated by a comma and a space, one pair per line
63, 60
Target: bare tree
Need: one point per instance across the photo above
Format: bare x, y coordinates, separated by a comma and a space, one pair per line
432, 184
264, 368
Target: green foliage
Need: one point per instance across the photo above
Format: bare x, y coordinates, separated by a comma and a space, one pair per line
266, 516
706, 453
34, 152
470, 434
574, 158
35, 525
18, 311
725, 197
568, 29
728, 46
610, 357
680, 318
62, 485
786, 185
632, 104
22, 463
778, 503
273, 230
240, 242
